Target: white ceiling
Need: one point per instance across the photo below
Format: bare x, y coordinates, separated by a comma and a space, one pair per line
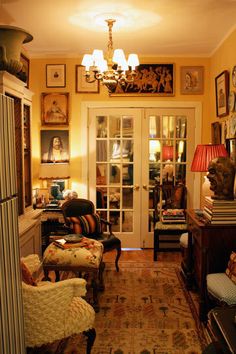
150, 28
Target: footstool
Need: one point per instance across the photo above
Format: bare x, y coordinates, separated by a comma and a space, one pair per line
82, 257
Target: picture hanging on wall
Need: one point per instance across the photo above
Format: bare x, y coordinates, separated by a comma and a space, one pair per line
54, 108
54, 146
191, 80
55, 75
215, 133
151, 80
222, 94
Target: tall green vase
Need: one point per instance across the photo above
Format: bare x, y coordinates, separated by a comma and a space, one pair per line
11, 40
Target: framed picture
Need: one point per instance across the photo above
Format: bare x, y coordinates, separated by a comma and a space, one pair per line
81, 85
24, 73
231, 148
234, 76
215, 133
55, 75
223, 129
222, 94
54, 146
54, 108
151, 80
191, 80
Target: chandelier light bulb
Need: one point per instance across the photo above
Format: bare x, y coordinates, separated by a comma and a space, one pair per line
104, 70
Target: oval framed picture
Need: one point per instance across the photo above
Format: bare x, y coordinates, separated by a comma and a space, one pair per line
234, 76
232, 101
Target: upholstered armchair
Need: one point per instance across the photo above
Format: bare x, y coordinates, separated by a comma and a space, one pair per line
54, 311
81, 218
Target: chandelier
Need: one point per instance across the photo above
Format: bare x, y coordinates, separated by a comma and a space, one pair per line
112, 70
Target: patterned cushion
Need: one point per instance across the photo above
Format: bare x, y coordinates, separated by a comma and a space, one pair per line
231, 269
26, 275
87, 225
222, 288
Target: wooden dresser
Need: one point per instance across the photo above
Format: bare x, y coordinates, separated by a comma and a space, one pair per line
210, 247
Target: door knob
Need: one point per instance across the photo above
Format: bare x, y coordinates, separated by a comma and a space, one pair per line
145, 187
136, 187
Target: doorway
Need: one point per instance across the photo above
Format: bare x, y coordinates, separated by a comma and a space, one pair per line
126, 158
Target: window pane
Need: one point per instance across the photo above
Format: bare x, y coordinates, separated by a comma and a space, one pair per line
101, 150
127, 198
114, 127
114, 174
101, 126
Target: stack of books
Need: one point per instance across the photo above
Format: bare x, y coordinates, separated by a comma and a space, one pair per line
220, 211
173, 216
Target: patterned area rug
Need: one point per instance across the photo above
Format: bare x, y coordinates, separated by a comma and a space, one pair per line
144, 309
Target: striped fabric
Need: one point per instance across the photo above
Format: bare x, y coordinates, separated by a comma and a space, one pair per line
86, 225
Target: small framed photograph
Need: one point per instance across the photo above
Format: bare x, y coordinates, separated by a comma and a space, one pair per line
81, 85
222, 94
54, 146
24, 73
54, 108
191, 80
215, 133
55, 75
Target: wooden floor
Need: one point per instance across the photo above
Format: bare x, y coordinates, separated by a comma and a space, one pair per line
143, 255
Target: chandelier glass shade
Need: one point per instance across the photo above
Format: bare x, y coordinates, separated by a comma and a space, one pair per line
112, 69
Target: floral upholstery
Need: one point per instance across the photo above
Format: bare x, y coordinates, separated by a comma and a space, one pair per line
87, 253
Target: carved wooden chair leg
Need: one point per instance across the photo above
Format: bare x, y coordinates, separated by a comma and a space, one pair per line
117, 258
94, 283
101, 285
46, 276
91, 335
57, 272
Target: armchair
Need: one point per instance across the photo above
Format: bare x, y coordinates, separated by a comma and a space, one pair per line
80, 217
54, 311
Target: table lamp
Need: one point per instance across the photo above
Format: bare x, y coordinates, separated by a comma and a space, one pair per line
203, 154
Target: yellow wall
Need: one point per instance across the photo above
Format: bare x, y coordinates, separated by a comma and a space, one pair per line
223, 59
38, 85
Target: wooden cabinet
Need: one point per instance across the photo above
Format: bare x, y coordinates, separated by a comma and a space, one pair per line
29, 228
210, 247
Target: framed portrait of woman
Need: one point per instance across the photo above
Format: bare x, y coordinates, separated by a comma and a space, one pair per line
54, 146
54, 108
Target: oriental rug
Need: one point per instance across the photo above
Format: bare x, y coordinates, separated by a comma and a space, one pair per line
144, 309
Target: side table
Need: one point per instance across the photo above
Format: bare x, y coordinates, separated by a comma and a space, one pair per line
166, 229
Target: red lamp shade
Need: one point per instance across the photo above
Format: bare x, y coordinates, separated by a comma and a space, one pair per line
167, 152
204, 154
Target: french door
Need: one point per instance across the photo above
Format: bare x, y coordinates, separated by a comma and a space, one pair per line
131, 149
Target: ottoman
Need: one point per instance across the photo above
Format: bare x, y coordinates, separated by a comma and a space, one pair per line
82, 257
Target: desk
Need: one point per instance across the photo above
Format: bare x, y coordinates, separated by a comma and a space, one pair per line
210, 247
166, 229
52, 220
223, 328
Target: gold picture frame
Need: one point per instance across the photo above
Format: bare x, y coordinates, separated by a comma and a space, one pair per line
151, 80
54, 108
55, 75
191, 80
81, 85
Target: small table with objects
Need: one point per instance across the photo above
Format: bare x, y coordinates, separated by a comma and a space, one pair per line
168, 230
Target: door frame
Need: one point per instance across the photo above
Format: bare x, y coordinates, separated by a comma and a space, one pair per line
85, 106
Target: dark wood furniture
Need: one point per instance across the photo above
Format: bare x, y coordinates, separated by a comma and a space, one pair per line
222, 328
210, 247
167, 230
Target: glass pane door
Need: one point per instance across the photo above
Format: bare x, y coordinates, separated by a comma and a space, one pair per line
166, 155
114, 172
